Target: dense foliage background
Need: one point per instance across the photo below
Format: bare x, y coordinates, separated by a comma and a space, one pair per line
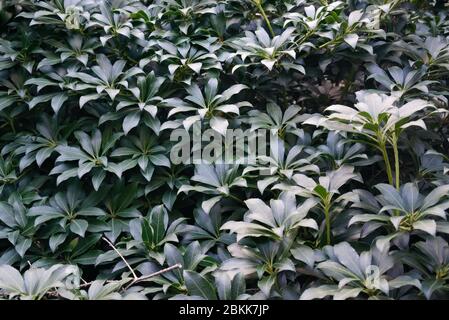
356, 202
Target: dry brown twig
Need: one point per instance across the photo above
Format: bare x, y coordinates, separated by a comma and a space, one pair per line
121, 256
143, 278
135, 279
139, 279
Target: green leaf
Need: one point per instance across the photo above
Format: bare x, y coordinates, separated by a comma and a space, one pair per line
147, 233
131, 121
22, 245
11, 279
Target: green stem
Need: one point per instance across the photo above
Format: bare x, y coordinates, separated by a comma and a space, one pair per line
235, 198
383, 148
396, 160
339, 38
395, 3
387, 164
328, 223
264, 15
288, 243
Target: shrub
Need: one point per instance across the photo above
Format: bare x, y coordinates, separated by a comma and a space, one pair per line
113, 115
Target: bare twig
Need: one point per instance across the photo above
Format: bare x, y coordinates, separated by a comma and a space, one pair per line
88, 284
133, 280
139, 279
123, 258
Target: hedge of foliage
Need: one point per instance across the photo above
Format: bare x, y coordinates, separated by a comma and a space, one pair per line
355, 201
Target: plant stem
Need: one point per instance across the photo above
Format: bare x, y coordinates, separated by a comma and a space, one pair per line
123, 258
235, 198
264, 15
143, 278
387, 163
396, 160
382, 146
11, 123
395, 3
139, 279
